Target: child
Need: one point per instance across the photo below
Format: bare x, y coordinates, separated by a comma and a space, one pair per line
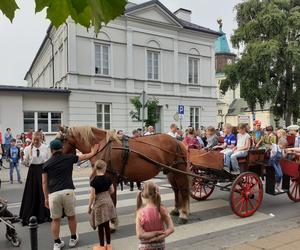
277, 152
14, 157
211, 137
151, 219
101, 207
270, 138
241, 149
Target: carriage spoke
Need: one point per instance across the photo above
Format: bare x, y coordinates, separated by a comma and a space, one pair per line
242, 205
250, 202
293, 187
246, 204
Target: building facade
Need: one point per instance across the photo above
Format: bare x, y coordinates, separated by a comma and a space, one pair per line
149, 49
23, 108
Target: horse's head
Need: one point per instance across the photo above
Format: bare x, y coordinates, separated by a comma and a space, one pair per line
67, 140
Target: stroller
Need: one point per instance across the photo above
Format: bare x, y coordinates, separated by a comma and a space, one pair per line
9, 219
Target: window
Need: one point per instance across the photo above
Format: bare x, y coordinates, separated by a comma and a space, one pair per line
43, 121
104, 116
47, 121
102, 59
153, 65
194, 70
55, 121
28, 121
195, 117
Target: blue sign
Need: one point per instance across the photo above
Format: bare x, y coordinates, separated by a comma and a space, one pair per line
181, 109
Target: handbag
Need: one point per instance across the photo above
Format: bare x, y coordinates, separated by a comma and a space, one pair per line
92, 219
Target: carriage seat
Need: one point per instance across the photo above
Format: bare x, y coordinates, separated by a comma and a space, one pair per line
254, 155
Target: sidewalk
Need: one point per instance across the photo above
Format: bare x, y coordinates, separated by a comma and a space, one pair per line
287, 240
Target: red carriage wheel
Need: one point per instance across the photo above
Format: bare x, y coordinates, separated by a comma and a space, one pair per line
246, 194
294, 191
201, 189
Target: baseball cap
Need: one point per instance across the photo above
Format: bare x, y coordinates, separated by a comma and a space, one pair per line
55, 145
257, 122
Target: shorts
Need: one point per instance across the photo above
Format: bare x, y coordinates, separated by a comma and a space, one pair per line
62, 202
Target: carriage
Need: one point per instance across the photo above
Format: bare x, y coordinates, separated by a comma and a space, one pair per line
246, 190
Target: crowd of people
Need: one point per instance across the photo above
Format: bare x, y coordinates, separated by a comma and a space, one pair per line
49, 189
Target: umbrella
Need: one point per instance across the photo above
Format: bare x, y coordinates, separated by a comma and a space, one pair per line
293, 127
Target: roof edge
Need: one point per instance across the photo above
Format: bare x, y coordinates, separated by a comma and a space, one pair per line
14, 88
39, 50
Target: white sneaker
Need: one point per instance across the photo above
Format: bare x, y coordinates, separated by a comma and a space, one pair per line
236, 172
72, 242
58, 246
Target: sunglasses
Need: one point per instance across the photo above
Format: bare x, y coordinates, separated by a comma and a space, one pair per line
37, 152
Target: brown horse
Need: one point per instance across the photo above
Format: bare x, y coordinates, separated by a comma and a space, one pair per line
136, 159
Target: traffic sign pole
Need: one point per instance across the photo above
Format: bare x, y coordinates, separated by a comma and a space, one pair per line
180, 113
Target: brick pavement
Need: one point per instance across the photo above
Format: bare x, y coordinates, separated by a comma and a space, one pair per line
287, 240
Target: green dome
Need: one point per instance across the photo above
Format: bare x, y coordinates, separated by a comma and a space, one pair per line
221, 44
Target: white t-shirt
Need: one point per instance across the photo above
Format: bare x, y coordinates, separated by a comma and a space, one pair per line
174, 135
241, 140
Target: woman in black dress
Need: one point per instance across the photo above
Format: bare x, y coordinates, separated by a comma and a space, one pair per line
33, 197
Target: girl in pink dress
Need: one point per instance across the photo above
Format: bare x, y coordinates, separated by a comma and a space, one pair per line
153, 222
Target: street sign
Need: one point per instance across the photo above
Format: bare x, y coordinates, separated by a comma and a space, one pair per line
176, 117
181, 109
243, 119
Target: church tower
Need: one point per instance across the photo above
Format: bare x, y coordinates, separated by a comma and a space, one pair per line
223, 57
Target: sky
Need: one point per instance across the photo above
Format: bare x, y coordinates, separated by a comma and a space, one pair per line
20, 40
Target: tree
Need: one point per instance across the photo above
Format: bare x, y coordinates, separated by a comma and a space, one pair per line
151, 107
269, 67
85, 12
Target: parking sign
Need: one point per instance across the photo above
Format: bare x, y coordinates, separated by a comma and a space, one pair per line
180, 109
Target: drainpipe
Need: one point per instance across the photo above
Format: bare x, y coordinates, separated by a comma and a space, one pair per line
52, 45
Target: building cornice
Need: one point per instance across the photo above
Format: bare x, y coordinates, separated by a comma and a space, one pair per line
73, 90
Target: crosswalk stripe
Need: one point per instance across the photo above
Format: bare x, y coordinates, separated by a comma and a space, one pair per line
87, 188
128, 219
187, 231
124, 203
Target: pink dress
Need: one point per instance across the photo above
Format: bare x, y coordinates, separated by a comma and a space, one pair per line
150, 220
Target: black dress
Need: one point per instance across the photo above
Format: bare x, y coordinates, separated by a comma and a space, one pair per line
33, 201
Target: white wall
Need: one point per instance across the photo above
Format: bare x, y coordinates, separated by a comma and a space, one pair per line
11, 112
13, 104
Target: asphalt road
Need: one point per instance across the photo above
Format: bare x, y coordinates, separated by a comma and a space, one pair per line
211, 225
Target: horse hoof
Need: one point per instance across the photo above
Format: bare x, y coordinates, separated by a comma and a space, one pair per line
174, 212
182, 221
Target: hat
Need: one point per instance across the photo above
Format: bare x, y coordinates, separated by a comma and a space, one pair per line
55, 145
257, 122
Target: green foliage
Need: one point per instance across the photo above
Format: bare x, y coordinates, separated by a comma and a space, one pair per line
269, 68
152, 108
85, 12
8, 7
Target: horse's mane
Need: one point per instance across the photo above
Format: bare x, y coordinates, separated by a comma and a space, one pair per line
88, 136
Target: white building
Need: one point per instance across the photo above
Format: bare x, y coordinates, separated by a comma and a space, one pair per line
148, 48
22, 109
